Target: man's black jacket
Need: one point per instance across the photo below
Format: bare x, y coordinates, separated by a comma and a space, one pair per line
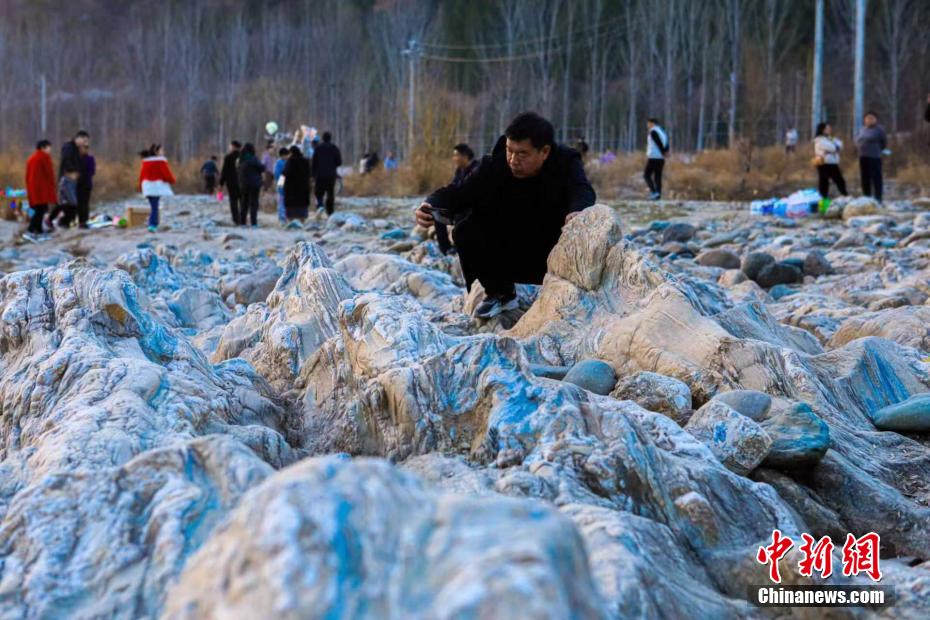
495, 195
326, 161
70, 159
229, 176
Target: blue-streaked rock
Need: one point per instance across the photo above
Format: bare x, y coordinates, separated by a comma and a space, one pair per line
910, 416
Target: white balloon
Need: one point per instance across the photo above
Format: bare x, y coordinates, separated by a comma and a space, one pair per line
271, 128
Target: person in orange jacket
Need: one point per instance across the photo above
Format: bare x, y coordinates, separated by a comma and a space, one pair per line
155, 180
40, 188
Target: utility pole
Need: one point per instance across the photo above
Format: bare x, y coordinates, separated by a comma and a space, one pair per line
817, 87
412, 53
42, 99
859, 83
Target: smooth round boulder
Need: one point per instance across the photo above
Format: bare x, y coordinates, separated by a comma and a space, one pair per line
816, 264
725, 259
778, 273
731, 277
751, 403
679, 231
754, 262
593, 375
909, 416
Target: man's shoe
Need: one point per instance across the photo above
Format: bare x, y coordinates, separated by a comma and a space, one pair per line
492, 306
30, 237
655, 196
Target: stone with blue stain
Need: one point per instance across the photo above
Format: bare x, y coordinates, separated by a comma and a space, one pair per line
395, 234
593, 375
799, 437
909, 416
737, 441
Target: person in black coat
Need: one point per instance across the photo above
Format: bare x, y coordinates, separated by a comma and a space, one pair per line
229, 179
72, 158
297, 185
324, 168
465, 163
508, 214
250, 171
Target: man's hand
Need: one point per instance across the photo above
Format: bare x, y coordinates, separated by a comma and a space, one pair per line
424, 215
571, 216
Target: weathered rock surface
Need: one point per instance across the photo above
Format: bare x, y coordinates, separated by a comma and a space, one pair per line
593, 375
137, 479
331, 537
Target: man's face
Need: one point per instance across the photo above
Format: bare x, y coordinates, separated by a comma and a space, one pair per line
82, 141
870, 120
233, 147
650, 125
524, 159
459, 160
47, 149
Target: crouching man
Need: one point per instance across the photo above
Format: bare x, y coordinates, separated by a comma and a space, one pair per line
509, 213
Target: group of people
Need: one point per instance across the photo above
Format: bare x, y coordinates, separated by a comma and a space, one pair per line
64, 199
290, 171
872, 144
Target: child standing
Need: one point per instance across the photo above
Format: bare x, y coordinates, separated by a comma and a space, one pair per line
155, 180
67, 198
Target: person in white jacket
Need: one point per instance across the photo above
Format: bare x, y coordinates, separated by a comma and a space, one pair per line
656, 150
827, 160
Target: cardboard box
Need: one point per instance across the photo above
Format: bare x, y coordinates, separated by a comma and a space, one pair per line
137, 216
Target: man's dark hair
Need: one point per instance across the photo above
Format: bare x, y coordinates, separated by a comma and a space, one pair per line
41, 144
532, 126
248, 149
295, 151
71, 169
327, 137
82, 134
236, 144
870, 113
820, 129
283, 151
653, 120
213, 157
464, 149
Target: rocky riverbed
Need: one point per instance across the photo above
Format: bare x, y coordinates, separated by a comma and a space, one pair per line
222, 422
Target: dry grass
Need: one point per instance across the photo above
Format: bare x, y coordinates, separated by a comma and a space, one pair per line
745, 173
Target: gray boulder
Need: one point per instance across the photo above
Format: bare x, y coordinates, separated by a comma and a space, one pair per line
250, 288
658, 393
737, 441
725, 259
754, 262
593, 375
911, 415
816, 264
679, 231
778, 273
751, 403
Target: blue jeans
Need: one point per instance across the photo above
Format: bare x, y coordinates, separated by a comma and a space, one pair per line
282, 212
153, 216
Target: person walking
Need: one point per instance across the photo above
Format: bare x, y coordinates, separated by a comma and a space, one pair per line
827, 160
508, 214
209, 171
251, 171
464, 160
872, 141
268, 161
297, 187
72, 158
229, 179
791, 141
279, 165
324, 168
40, 188
390, 161
155, 180
656, 150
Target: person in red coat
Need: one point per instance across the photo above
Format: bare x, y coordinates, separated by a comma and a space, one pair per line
155, 180
40, 187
